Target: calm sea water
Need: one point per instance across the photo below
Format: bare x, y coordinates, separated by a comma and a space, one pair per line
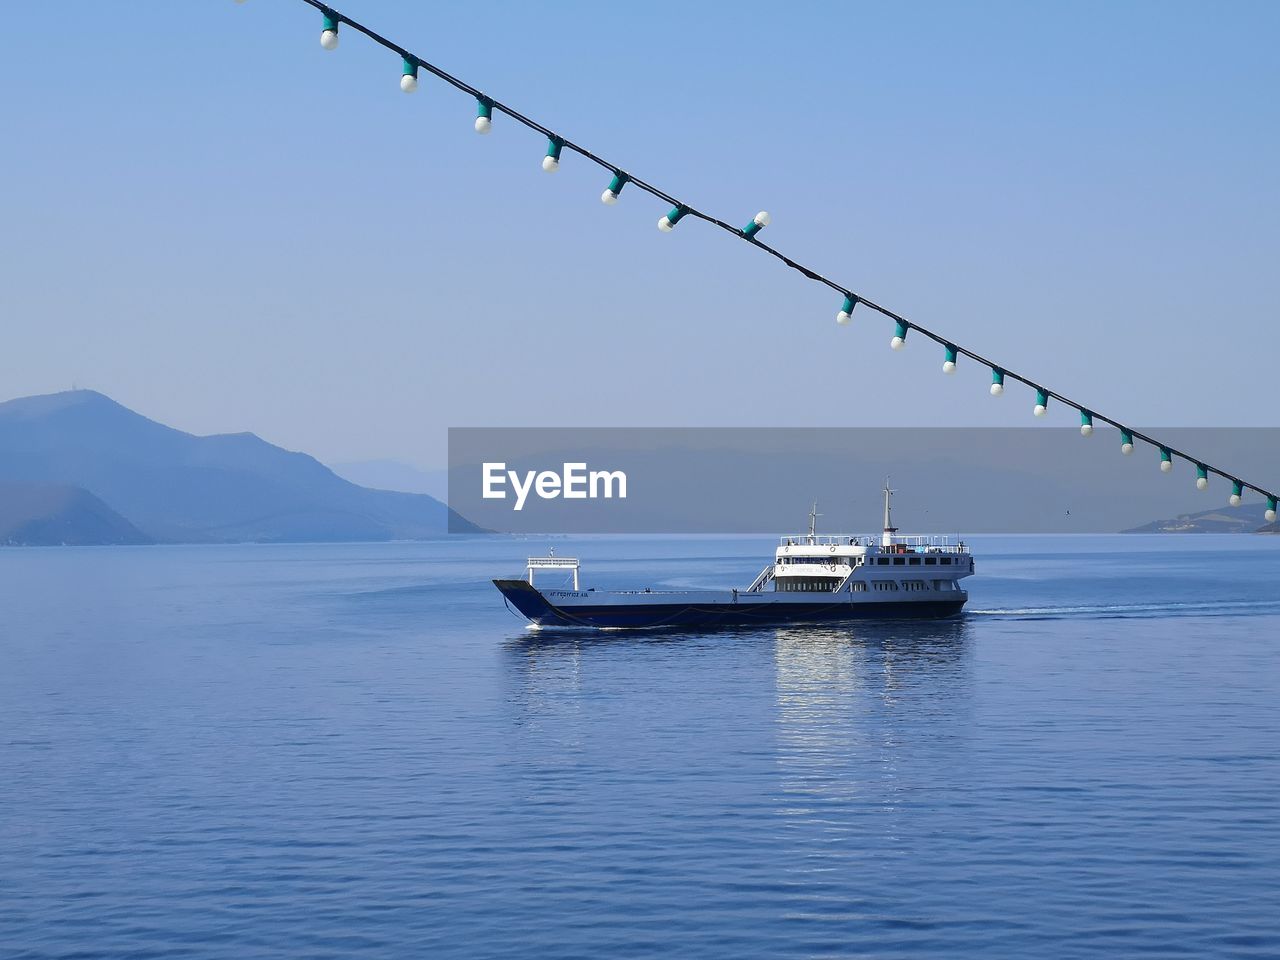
358, 751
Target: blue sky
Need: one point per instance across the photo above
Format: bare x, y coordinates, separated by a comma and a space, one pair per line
227, 228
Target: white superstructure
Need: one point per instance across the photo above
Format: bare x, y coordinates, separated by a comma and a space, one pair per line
811, 563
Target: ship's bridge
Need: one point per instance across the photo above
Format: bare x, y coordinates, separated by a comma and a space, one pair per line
823, 545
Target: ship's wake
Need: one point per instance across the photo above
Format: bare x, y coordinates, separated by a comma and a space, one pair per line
1220, 608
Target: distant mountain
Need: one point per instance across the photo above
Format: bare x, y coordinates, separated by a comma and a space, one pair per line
176, 487
1246, 518
50, 514
394, 475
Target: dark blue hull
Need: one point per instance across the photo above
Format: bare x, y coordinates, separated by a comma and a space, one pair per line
537, 608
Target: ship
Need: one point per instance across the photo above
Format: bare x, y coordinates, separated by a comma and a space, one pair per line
813, 579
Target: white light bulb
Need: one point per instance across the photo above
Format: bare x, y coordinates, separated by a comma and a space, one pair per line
550, 164
408, 83
1126, 448
483, 124
1234, 500
948, 366
997, 389
664, 224
329, 39
1039, 411
762, 218
1202, 483
1086, 429
1270, 516
843, 317
1166, 466
608, 198
896, 343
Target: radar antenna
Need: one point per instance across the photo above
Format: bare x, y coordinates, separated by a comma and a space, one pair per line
889, 528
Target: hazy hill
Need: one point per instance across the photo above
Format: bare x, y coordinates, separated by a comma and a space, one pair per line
1246, 518
177, 487
394, 475
34, 514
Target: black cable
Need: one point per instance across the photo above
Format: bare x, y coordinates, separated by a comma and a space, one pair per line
692, 211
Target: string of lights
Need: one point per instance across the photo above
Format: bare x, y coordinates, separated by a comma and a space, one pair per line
412, 66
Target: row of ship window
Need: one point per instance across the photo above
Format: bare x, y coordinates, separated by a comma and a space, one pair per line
879, 561
908, 585
829, 584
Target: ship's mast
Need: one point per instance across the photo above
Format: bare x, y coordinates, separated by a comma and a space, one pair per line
889, 528
813, 522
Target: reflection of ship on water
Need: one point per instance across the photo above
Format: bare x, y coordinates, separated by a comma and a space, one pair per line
875, 659
850, 706
822, 734
549, 726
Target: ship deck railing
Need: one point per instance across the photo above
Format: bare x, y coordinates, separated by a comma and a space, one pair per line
553, 563
914, 544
